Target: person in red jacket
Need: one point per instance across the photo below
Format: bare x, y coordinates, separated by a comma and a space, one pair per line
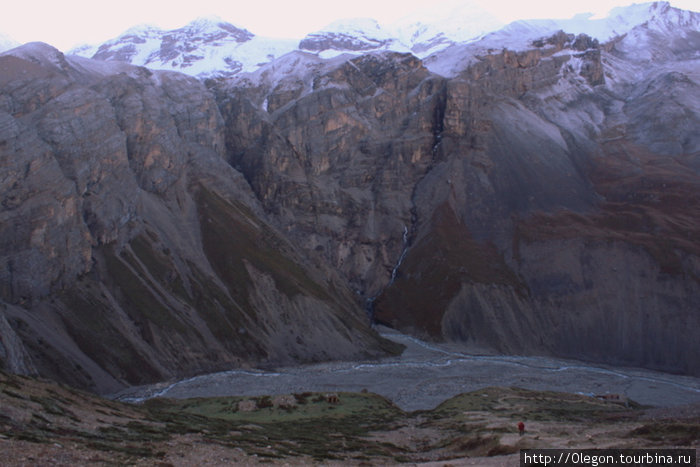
521, 428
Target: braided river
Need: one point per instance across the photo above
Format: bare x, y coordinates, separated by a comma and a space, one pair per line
426, 374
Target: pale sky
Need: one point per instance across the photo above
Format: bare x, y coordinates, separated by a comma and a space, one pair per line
67, 23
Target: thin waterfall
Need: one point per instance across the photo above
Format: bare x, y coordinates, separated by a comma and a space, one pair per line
369, 302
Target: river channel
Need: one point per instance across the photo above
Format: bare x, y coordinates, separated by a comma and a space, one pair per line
426, 374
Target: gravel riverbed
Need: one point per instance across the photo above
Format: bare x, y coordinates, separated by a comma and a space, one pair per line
426, 374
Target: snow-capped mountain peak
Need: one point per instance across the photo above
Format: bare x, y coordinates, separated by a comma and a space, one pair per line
142, 29
212, 28
620, 21
661, 32
641, 32
366, 26
441, 35
349, 35
436, 27
204, 47
206, 22
421, 33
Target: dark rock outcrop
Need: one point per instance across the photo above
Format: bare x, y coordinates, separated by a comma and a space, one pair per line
339, 41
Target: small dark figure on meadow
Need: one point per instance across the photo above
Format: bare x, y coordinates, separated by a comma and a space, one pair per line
521, 428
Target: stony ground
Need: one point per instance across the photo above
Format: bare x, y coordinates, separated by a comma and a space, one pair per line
42, 423
435, 405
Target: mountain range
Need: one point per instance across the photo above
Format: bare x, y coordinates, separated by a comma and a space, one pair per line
210, 46
533, 189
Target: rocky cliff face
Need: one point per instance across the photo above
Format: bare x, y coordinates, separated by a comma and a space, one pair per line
527, 204
131, 251
558, 225
335, 160
544, 200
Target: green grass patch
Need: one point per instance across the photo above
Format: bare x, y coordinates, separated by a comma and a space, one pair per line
369, 406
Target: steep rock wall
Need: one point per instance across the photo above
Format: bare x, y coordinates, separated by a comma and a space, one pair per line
131, 251
523, 184
591, 216
334, 158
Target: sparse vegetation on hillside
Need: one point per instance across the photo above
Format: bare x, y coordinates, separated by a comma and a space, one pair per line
44, 423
